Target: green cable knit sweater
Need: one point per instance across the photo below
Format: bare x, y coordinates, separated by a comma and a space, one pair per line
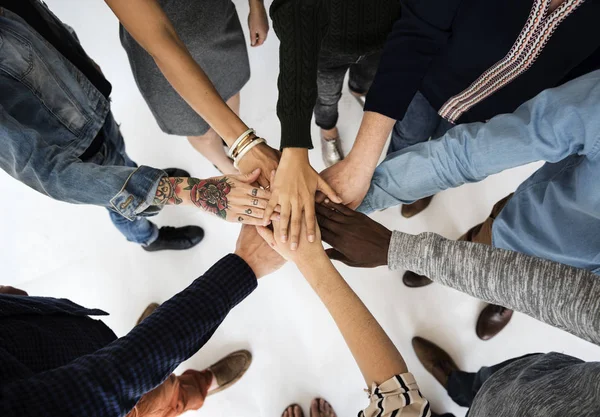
304, 28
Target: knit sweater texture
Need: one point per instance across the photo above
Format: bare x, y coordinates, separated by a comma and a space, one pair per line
305, 29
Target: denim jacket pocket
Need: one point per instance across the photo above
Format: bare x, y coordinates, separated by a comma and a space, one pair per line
20, 60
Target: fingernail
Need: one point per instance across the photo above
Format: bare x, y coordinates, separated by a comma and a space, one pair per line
327, 201
283, 238
256, 170
311, 238
272, 244
294, 246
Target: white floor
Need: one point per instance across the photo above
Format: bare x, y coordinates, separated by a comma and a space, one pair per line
56, 249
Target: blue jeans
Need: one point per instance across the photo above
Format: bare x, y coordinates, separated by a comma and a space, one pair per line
112, 153
420, 123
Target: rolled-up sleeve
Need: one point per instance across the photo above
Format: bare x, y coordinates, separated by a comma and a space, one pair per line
399, 396
138, 192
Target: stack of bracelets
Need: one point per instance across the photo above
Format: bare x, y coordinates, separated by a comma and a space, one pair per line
242, 146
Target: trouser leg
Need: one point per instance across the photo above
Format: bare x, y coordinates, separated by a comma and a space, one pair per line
330, 80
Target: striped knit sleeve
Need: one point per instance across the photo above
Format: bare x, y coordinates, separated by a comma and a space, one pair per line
556, 294
399, 396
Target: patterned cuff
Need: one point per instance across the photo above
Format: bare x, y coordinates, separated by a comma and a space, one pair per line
235, 276
399, 393
138, 192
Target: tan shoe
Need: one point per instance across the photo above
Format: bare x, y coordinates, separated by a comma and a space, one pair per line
435, 360
230, 369
410, 210
149, 310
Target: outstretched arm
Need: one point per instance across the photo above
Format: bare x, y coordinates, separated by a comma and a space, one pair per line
553, 125
148, 24
556, 294
380, 363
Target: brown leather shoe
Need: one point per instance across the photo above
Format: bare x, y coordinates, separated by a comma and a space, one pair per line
437, 362
412, 280
149, 310
492, 320
230, 369
321, 408
410, 210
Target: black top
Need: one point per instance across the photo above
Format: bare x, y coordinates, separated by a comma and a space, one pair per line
305, 27
440, 47
60, 37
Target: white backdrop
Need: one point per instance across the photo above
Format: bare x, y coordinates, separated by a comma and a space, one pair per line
56, 249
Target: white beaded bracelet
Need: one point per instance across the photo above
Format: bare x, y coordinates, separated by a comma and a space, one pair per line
244, 151
238, 140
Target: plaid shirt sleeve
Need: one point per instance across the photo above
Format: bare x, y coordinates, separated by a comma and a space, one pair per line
110, 381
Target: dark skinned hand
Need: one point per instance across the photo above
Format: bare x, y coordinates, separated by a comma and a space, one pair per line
357, 240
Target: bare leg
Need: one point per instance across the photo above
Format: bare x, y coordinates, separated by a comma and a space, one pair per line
211, 146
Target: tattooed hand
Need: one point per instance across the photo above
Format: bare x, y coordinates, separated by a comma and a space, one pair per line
232, 198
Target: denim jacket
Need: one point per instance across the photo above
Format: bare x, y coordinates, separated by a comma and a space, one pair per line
49, 115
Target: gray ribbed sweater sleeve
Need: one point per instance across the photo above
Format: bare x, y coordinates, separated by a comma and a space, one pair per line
557, 294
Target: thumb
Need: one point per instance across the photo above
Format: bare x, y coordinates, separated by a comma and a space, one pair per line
337, 255
328, 191
251, 177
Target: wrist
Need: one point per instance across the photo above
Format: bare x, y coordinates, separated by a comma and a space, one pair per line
295, 154
313, 265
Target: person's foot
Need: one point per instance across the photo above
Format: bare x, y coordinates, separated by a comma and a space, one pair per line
412, 280
331, 147
176, 238
293, 410
229, 370
149, 310
321, 408
435, 360
492, 320
176, 172
410, 210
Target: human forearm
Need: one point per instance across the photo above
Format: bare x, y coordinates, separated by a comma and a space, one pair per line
111, 380
300, 26
151, 28
374, 131
557, 294
374, 352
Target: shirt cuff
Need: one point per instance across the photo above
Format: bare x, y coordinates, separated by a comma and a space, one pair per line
400, 392
407, 251
365, 206
295, 131
138, 192
237, 278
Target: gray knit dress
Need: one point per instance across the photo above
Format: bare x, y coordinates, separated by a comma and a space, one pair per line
212, 32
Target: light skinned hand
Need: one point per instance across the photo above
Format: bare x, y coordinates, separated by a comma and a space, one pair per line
293, 190
258, 23
257, 253
264, 157
349, 179
305, 252
234, 198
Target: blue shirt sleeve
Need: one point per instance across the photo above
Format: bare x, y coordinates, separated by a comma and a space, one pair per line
555, 124
110, 381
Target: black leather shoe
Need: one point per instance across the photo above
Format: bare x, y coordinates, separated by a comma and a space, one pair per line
412, 280
176, 172
176, 238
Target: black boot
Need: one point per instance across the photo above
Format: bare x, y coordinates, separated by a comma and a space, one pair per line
176, 238
176, 172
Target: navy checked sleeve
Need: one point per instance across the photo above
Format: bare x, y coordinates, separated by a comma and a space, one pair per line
110, 381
